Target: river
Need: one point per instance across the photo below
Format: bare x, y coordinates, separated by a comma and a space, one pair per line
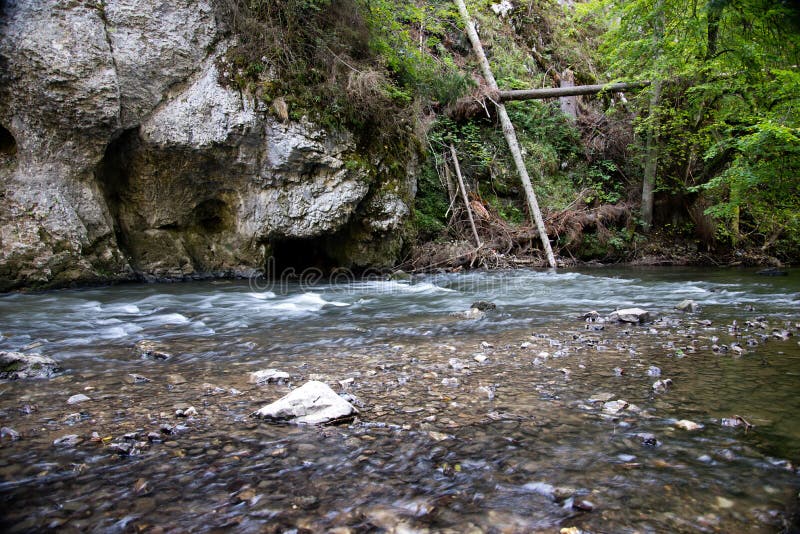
507, 423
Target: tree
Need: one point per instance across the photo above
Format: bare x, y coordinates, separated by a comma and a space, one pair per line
726, 129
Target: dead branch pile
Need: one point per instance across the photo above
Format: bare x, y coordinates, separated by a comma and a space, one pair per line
479, 102
506, 245
570, 225
604, 136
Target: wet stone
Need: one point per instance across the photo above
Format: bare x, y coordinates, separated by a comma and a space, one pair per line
661, 386
191, 411
615, 407
269, 376
176, 380
450, 382
147, 349
18, 365
133, 378
77, 399
68, 441
648, 439
601, 397
8, 433
120, 448
685, 424
472, 313
687, 306
312, 403
630, 315
456, 363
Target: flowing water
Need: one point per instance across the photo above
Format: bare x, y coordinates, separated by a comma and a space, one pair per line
500, 424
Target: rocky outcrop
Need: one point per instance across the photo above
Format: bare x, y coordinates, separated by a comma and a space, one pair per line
123, 154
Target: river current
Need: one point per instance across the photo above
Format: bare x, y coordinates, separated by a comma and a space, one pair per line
529, 419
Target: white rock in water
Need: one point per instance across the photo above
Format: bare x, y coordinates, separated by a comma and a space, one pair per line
601, 397
76, 399
472, 313
660, 386
654, 371
488, 391
269, 376
456, 364
688, 425
687, 306
630, 315
313, 403
615, 407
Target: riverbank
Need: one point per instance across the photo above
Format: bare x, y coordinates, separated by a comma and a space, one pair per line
531, 418
657, 251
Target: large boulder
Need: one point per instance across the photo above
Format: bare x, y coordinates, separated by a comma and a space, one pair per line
312, 403
15, 365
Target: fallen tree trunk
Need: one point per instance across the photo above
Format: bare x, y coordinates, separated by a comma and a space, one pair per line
508, 132
475, 104
556, 92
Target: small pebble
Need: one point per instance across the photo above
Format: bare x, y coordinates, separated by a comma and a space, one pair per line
76, 399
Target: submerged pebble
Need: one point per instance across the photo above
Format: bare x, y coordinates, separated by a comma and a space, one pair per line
77, 399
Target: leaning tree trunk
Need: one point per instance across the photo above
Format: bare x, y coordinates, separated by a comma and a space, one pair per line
464, 196
508, 132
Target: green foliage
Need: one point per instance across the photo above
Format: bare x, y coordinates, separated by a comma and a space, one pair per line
507, 209
728, 119
601, 178
430, 206
419, 64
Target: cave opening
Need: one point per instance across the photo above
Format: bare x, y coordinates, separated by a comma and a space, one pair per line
113, 177
293, 258
8, 145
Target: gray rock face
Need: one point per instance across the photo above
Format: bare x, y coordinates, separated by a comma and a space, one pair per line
14, 365
313, 403
122, 154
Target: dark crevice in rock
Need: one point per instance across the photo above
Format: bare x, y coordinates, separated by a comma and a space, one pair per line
112, 175
104, 18
8, 145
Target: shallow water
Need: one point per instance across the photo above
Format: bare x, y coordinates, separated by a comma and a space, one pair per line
539, 455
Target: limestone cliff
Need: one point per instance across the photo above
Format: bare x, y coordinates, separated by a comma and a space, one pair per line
122, 155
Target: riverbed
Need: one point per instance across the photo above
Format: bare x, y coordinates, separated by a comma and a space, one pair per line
527, 419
